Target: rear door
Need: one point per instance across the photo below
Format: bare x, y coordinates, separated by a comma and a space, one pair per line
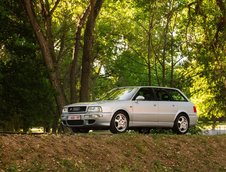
167, 108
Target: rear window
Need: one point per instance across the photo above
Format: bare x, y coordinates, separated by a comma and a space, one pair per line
176, 96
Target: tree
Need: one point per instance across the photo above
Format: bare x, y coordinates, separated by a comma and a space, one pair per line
144, 35
205, 49
74, 64
45, 39
87, 50
53, 36
25, 93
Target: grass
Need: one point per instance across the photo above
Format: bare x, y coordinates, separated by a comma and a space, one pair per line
107, 152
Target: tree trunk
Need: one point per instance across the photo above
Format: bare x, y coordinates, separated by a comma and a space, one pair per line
149, 55
149, 45
172, 62
87, 50
74, 64
47, 49
164, 83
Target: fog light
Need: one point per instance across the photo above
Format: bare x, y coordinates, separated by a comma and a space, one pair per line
97, 115
87, 116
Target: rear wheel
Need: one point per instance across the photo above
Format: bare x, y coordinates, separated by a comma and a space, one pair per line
119, 122
79, 130
181, 124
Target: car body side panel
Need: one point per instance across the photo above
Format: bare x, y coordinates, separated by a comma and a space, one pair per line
187, 108
144, 113
167, 111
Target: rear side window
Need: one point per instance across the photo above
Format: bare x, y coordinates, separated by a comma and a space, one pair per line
169, 95
162, 94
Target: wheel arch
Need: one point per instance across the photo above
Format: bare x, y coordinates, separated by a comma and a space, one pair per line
113, 128
182, 113
177, 125
122, 110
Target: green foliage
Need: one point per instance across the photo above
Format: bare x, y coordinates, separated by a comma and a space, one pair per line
207, 96
124, 28
25, 94
206, 63
195, 130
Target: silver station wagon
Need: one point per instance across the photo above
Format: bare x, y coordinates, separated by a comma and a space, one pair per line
139, 108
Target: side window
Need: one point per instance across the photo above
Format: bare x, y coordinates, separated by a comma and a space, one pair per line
176, 95
147, 93
162, 94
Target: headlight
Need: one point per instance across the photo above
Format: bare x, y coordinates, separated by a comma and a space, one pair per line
65, 110
94, 109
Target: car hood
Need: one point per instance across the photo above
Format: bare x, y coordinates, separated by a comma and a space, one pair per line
96, 103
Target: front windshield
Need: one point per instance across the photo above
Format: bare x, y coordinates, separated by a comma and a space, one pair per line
120, 94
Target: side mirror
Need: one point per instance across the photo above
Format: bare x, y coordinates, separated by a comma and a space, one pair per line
140, 98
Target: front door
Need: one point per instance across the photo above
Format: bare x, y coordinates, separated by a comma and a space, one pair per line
145, 112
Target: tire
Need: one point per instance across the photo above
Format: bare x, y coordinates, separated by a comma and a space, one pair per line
119, 122
78, 130
181, 124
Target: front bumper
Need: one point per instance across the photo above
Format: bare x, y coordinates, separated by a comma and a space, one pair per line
87, 120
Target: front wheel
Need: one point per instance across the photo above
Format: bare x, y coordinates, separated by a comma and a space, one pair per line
181, 124
119, 122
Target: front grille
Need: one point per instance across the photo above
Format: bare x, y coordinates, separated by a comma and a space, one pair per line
75, 122
77, 109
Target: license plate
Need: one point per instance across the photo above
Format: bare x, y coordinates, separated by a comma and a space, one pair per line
74, 117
